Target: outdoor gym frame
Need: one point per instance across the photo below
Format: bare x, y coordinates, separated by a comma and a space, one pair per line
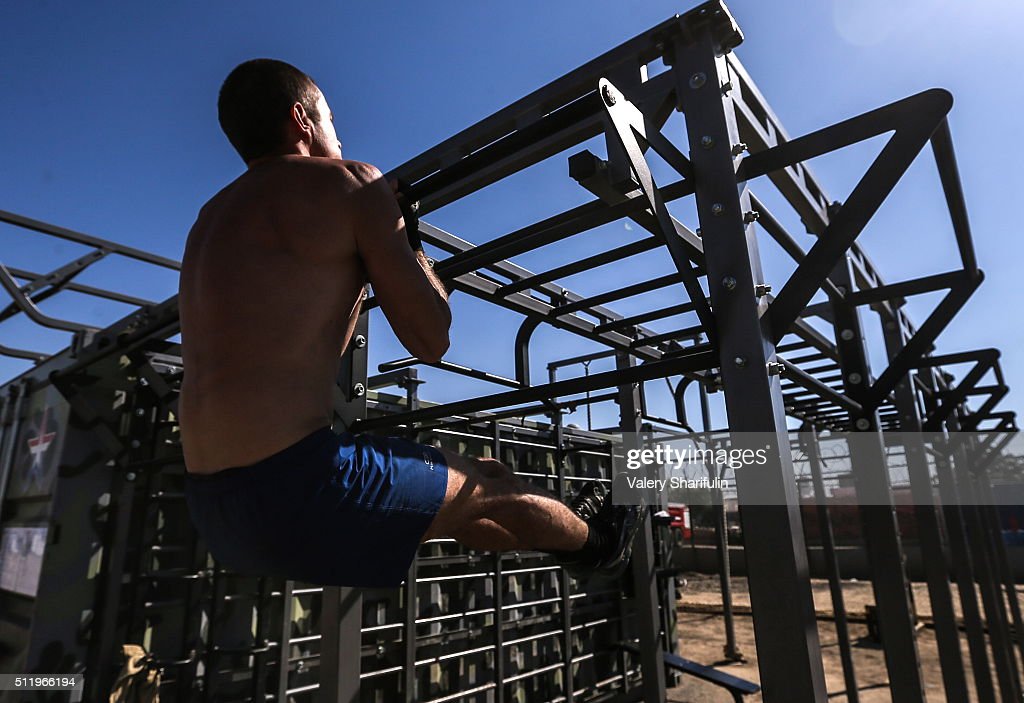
760, 350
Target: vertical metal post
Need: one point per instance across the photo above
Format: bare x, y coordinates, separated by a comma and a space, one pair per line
835, 583
995, 614
933, 556
785, 628
1004, 570
410, 594
12, 418
210, 677
499, 599
410, 612
261, 656
340, 644
563, 576
522, 349
341, 616
105, 639
874, 497
963, 572
564, 580
284, 650
645, 578
731, 650
194, 596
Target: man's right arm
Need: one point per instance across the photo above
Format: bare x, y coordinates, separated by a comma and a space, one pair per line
410, 294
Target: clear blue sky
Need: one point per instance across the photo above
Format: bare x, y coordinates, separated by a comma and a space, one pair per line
109, 127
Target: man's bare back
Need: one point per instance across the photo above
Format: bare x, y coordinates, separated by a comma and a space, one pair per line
271, 284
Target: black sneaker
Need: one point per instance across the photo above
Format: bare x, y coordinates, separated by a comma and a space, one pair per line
626, 522
618, 526
588, 502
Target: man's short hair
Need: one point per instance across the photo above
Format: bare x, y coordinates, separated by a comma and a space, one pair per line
256, 100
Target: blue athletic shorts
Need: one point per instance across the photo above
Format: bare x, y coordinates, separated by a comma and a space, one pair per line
332, 509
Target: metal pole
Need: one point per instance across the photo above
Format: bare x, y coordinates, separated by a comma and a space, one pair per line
1002, 560
645, 578
730, 650
835, 583
785, 628
994, 616
874, 496
563, 576
499, 595
284, 649
341, 615
409, 590
564, 581
15, 406
933, 556
963, 572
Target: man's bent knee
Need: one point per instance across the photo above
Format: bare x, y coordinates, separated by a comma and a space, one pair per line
472, 484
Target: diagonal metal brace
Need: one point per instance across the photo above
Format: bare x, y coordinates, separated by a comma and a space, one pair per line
912, 120
53, 282
985, 360
35, 314
627, 126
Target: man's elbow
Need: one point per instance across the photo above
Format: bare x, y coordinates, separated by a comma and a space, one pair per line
432, 350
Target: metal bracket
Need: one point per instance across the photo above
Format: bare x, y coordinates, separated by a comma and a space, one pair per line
628, 125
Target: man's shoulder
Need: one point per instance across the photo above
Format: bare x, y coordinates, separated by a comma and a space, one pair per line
354, 174
332, 173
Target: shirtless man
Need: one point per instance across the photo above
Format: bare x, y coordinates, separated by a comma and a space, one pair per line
271, 286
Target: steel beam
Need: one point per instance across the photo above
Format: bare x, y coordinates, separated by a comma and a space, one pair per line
644, 574
785, 628
88, 240
933, 556
341, 610
828, 549
874, 498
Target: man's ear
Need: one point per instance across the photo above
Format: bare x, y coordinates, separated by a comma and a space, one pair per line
301, 121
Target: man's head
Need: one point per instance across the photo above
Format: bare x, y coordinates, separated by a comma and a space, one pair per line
268, 107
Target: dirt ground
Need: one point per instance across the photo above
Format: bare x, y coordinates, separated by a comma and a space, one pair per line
702, 639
